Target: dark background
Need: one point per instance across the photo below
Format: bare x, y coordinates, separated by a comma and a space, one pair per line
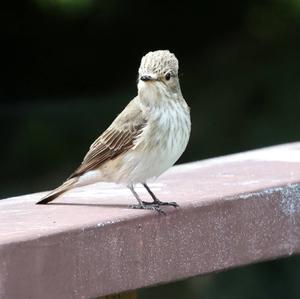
69, 66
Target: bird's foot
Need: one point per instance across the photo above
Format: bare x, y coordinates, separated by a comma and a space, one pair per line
148, 206
163, 203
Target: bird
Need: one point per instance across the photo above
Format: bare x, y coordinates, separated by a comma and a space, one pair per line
144, 140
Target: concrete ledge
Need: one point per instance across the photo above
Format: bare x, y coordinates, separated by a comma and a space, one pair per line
234, 211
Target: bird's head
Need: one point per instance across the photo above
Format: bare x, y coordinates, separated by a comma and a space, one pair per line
158, 75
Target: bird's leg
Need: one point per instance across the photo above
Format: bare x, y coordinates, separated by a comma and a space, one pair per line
142, 205
156, 201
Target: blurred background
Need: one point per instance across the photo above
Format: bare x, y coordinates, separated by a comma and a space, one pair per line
69, 67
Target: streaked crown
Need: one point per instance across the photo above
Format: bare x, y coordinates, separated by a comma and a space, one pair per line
159, 62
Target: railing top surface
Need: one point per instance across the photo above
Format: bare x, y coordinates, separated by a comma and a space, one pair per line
234, 210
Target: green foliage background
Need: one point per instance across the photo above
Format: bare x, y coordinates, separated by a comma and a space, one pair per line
69, 67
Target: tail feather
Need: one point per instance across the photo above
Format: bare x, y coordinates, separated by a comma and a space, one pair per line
67, 185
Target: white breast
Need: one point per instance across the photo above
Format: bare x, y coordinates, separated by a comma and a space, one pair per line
161, 144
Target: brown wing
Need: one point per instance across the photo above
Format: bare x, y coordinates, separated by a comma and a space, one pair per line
117, 139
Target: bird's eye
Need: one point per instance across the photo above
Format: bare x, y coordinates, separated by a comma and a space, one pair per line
168, 76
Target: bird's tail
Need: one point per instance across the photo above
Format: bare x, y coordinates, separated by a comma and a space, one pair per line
58, 191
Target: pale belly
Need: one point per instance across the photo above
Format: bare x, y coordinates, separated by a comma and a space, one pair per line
162, 146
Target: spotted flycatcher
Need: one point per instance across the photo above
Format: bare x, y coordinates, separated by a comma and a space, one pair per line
145, 139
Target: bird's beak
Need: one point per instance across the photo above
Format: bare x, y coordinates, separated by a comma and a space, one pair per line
147, 78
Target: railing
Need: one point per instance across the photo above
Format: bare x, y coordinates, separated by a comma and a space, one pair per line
234, 210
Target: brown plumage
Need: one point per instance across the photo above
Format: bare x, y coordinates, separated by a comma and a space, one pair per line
58, 191
117, 139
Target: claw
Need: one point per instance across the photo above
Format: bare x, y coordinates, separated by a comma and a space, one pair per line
163, 203
148, 206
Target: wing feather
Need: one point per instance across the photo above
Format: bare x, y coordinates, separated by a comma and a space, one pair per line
117, 139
